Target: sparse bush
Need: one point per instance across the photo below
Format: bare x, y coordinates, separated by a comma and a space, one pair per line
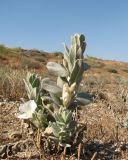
56, 54
40, 59
11, 84
97, 65
94, 62
112, 70
9, 51
29, 64
2, 49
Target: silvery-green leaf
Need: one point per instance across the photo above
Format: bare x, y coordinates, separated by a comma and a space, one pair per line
76, 72
34, 80
66, 52
58, 117
56, 99
80, 42
51, 86
67, 58
79, 53
31, 92
73, 51
55, 128
57, 69
62, 133
60, 82
82, 101
83, 98
60, 124
80, 72
28, 87
65, 63
67, 116
79, 39
84, 95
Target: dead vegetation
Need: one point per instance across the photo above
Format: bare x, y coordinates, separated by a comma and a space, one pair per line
105, 138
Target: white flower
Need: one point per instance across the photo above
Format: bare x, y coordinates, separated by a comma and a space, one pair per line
27, 109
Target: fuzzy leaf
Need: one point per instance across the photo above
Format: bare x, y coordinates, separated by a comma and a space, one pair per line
34, 80
66, 53
51, 86
31, 92
56, 99
55, 128
59, 117
57, 69
76, 72
67, 58
61, 81
83, 98
82, 101
67, 116
73, 51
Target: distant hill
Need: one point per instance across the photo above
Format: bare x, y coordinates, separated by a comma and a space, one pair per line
19, 58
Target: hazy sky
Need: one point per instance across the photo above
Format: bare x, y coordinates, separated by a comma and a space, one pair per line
46, 24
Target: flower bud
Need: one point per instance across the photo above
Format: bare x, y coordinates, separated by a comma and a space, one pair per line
72, 88
66, 95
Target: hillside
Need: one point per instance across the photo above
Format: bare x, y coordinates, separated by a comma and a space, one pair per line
18, 58
106, 81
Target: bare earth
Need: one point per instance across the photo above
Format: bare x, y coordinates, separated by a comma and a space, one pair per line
105, 138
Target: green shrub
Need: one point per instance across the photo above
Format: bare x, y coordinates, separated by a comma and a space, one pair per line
112, 70
29, 64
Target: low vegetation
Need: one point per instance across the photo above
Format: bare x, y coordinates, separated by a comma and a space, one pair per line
112, 70
94, 62
56, 122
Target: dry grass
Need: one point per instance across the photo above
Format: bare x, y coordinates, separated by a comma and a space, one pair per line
105, 138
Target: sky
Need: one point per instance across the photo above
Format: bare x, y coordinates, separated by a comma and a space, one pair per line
46, 24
